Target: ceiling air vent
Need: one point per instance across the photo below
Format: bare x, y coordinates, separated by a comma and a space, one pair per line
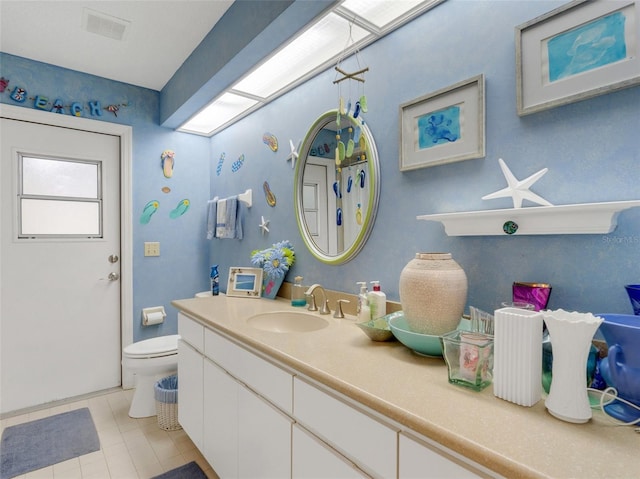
105, 25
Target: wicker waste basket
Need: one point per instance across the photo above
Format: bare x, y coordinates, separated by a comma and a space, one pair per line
166, 394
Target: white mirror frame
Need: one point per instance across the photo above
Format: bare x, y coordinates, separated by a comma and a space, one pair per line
373, 170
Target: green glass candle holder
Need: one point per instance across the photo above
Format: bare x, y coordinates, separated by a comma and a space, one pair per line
469, 358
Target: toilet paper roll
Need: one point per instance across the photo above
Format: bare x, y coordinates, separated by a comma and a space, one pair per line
153, 318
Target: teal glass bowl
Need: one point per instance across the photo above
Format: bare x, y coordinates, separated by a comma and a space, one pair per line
422, 344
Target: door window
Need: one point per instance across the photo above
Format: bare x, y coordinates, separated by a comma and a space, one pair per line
59, 198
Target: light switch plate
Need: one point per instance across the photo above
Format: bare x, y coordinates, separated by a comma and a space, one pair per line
151, 248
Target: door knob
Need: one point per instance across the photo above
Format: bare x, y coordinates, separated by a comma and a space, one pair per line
113, 276
113, 258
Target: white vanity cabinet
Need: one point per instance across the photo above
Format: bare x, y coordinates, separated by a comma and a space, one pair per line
313, 459
361, 438
247, 402
191, 381
418, 460
264, 438
220, 425
253, 417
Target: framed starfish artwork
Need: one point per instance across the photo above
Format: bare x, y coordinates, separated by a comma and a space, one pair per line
578, 51
444, 126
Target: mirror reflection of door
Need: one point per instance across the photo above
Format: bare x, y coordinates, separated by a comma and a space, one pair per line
316, 202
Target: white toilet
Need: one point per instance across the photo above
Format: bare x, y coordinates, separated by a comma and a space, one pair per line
149, 360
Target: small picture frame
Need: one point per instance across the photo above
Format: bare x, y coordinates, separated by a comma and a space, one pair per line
444, 126
244, 282
578, 51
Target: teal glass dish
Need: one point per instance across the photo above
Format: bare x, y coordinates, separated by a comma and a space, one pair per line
422, 344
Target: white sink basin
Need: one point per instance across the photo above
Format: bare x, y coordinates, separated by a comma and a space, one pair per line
287, 322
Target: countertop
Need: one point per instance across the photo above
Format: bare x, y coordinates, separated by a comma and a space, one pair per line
413, 390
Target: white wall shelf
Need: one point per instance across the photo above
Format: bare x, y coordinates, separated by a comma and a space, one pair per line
586, 218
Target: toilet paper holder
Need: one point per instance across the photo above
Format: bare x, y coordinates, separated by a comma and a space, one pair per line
154, 315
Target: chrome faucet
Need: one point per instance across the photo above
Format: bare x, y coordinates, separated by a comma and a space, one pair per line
324, 309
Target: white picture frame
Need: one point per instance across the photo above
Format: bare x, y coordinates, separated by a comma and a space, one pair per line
575, 52
244, 282
445, 126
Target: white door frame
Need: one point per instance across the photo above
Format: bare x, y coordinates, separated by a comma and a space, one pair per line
126, 204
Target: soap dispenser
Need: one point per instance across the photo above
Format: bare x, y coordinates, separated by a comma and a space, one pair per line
362, 310
297, 293
377, 301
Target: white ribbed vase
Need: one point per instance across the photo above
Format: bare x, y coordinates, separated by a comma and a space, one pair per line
433, 293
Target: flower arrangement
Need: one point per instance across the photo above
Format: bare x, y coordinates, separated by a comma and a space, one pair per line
275, 261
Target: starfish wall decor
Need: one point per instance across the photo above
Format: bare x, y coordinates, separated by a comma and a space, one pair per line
518, 190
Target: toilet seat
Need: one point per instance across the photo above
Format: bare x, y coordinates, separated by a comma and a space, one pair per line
153, 348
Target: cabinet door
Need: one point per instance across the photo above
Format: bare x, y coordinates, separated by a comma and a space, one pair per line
220, 420
418, 460
370, 444
265, 438
190, 391
313, 459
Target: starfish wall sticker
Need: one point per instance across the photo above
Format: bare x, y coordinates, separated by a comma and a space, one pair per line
293, 156
264, 225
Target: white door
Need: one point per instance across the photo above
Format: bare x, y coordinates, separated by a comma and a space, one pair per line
319, 204
60, 324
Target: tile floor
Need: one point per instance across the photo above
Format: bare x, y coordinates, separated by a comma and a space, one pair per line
129, 448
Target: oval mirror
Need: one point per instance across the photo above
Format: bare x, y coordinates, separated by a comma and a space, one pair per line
336, 202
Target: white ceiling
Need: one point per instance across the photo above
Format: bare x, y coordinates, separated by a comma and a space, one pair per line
160, 37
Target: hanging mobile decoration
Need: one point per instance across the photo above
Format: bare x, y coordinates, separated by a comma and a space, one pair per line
358, 76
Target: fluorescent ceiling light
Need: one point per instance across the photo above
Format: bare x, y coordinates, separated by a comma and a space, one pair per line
350, 26
381, 12
318, 45
221, 111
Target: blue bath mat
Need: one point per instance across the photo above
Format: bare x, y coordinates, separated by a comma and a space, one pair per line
44, 442
188, 471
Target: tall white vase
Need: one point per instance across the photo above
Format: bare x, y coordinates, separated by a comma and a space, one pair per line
571, 334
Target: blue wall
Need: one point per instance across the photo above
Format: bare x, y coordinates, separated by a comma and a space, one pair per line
592, 150
180, 270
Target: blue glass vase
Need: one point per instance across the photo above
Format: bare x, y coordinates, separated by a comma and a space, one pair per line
633, 290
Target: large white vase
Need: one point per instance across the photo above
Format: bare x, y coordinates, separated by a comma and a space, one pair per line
571, 334
433, 293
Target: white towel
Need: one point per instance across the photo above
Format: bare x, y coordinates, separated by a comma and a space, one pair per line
212, 206
221, 214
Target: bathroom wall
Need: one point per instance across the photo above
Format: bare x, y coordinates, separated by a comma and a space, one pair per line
180, 270
592, 150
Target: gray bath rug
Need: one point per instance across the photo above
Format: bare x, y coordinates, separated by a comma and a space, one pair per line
188, 471
44, 442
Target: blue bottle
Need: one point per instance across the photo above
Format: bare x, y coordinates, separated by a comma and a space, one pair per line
215, 280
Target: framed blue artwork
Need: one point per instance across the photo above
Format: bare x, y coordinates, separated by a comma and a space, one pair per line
245, 282
575, 52
444, 126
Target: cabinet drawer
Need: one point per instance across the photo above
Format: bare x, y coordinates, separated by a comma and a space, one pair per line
418, 459
191, 331
268, 380
361, 438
